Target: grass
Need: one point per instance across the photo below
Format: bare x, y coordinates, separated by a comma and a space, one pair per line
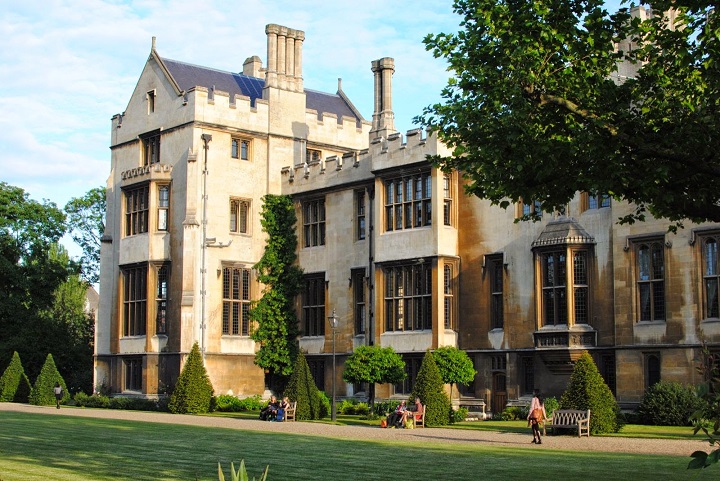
628, 431
43, 446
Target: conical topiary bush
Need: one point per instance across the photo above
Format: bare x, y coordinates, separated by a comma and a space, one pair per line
14, 383
587, 390
302, 389
429, 387
42, 392
193, 393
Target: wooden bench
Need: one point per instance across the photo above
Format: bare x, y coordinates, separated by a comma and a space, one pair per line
570, 419
290, 412
419, 419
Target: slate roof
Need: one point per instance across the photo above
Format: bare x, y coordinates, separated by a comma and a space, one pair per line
188, 76
563, 230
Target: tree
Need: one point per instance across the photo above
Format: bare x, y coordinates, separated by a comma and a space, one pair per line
86, 220
42, 393
302, 389
75, 328
532, 111
430, 388
276, 326
30, 272
455, 366
587, 390
374, 365
193, 393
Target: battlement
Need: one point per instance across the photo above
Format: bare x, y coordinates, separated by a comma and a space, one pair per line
383, 153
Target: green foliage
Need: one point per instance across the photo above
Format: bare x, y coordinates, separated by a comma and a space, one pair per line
86, 220
455, 366
709, 392
532, 105
512, 413
668, 404
42, 393
430, 388
352, 406
120, 403
302, 389
75, 329
227, 403
14, 383
551, 404
276, 326
29, 276
193, 393
374, 365
325, 405
459, 415
587, 390
384, 408
241, 473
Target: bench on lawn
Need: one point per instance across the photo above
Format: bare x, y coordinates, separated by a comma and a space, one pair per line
419, 418
290, 412
569, 419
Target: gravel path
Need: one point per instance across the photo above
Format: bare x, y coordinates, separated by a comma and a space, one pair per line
427, 435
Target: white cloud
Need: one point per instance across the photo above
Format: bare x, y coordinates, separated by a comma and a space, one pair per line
67, 66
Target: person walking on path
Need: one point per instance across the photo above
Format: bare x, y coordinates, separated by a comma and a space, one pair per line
58, 390
536, 415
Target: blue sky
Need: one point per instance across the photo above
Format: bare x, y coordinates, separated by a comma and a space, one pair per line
68, 66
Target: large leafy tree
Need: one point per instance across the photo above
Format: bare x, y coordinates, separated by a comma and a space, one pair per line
276, 325
455, 366
74, 328
86, 220
374, 365
30, 273
533, 111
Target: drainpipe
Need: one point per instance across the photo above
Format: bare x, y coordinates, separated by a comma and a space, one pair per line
206, 138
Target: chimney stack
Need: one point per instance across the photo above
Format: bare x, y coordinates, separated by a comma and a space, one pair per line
383, 115
284, 57
252, 67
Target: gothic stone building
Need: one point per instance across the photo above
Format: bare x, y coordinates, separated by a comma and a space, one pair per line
388, 244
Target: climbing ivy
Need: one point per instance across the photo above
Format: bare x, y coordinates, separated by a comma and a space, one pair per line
275, 321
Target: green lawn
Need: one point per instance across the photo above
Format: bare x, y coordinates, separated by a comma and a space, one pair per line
42, 447
628, 431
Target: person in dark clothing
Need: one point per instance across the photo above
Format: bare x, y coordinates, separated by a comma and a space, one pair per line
269, 412
395, 419
58, 390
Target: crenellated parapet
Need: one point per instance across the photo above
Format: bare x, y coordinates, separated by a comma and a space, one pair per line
382, 154
394, 151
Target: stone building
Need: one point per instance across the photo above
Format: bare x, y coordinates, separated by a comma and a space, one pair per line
389, 245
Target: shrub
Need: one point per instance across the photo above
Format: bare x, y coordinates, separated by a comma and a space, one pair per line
459, 415
14, 383
228, 404
302, 389
42, 392
193, 393
512, 413
551, 404
94, 401
252, 403
362, 409
346, 407
429, 387
587, 390
325, 404
384, 407
668, 404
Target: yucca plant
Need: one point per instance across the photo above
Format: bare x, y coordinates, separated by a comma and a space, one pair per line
241, 473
